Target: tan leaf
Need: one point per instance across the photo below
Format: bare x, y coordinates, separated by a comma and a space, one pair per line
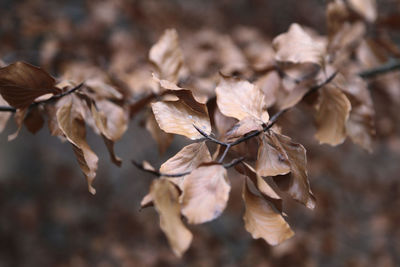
239, 99
186, 160
360, 126
19, 117
298, 186
243, 127
71, 123
366, 8
261, 218
271, 161
333, 109
22, 83
162, 138
298, 46
166, 201
167, 56
205, 193
178, 118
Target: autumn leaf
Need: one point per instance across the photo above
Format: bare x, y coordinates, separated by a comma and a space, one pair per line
186, 160
243, 127
167, 56
261, 218
162, 138
298, 46
297, 184
271, 160
34, 120
4, 116
21, 83
71, 123
178, 118
366, 8
205, 193
166, 201
332, 112
239, 99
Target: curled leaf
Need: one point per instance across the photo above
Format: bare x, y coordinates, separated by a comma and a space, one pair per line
205, 193
333, 109
166, 201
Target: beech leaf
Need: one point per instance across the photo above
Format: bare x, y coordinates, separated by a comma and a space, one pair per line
333, 109
166, 201
21, 83
205, 193
261, 218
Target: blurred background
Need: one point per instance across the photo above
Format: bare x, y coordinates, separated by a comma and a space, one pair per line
48, 218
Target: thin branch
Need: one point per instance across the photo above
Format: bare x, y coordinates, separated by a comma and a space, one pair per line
51, 99
389, 66
175, 175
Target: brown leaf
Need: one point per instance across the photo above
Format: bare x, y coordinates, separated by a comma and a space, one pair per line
205, 193
239, 99
21, 83
271, 161
34, 120
243, 127
333, 109
298, 46
298, 186
186, 160
178, 118
166, 201
167, 56
19, 117
71, 123
261, 218
162, 138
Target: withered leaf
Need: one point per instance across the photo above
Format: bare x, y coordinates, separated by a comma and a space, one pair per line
71, 123
178, 118
366, 8
4, 116
21, 83
261, 218
167, 56
271, 161
34, 120
186, 160
239, 99
297, 46
243, 127
298, 185
205, 193
332, 112
19, 117
166, 201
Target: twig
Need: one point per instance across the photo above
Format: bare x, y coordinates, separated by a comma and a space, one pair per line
389, 66
175, 175
51, 99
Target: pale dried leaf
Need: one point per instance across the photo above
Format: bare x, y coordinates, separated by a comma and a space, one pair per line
166, 201
205, 193
239, 99
262, 220
4, 116
271, 161
366, 8
178, 118
162, 138
243, 127
19, 117
332, 112
297, 46
167, 56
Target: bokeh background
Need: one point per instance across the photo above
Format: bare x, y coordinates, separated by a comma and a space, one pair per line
48, 218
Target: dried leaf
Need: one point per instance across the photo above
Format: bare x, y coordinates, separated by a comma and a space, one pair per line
167, 56
298, 185
271, 161
22, 83
166, 201
34, 120
4, 116
186, 160
297, 46
366, 8
243, 127
162, 138
19, 117
178, 118
71, 123
205, 193
333, 109
239, 99
261, 218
